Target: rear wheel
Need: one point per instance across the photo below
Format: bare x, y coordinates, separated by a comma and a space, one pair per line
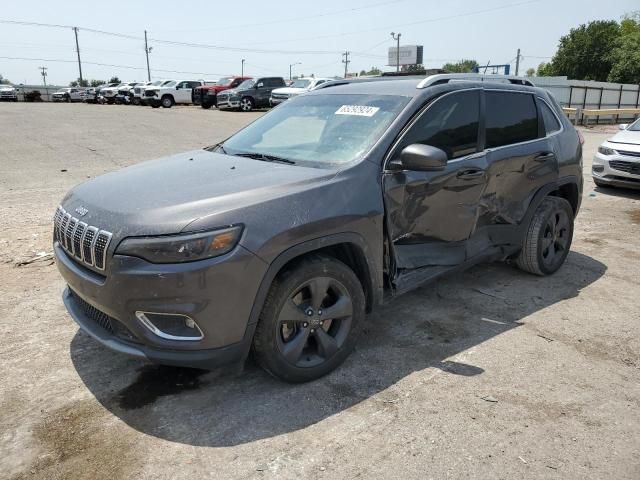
548, 239
247, 104
310, 320
206, 105
167, 101
136, 101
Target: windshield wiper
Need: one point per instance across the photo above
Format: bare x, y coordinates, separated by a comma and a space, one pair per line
265, 158
212, 148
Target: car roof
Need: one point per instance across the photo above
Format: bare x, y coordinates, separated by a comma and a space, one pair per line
419, 86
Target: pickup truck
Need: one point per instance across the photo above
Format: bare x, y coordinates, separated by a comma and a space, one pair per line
171, 93
71, 94
205, 96
8, 92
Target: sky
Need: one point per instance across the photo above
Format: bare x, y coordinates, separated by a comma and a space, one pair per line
208, 40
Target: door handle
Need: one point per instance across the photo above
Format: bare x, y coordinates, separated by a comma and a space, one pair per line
470, 173
543, 157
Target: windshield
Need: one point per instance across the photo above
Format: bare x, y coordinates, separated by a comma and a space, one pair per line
225, 81
169, 83
156, 83
301, 83
319, 129
246, 85
635, 126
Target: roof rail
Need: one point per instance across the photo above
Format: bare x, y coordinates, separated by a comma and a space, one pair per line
477, 77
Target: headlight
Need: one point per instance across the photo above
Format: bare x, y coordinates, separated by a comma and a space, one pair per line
606, 150
181, 248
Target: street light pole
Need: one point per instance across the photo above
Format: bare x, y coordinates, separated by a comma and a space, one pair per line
397, 38
242, 69
290, 67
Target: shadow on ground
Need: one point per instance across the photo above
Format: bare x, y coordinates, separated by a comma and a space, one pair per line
419, 330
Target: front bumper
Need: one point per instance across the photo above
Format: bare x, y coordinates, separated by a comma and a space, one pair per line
217, 293
276, 101
153, 101
604, 170
227, 104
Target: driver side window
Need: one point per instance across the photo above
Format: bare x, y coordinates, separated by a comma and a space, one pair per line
450, 123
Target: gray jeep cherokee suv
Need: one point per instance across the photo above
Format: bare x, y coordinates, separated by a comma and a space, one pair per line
281, 238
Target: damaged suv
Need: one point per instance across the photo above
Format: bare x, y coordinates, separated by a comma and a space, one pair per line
282, 238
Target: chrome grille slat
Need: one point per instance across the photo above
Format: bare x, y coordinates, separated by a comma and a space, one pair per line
86, 243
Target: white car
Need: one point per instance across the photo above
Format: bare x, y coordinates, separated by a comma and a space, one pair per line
301, 85
110, 92
8, 92
138, 90
71, 94
171, 93
617, 161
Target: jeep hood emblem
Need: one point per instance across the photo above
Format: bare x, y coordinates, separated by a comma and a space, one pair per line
81, 211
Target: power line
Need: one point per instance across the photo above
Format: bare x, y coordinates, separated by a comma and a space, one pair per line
290, 19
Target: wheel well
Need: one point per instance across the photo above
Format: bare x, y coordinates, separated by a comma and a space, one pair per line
568, 191
167, 95
352, 256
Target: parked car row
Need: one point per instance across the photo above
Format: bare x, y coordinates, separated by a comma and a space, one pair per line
229, 93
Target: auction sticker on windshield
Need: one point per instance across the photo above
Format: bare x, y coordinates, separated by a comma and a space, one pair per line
360, 110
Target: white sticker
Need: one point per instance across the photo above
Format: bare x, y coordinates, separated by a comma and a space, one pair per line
360, 110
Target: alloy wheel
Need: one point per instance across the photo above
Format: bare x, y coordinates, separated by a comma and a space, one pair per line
246, 105
555, 239
314, 322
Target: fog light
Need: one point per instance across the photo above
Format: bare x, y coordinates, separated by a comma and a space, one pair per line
171, 326
597, 168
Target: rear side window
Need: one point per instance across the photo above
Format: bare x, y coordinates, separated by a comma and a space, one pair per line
450, 124
510, 118
551, 123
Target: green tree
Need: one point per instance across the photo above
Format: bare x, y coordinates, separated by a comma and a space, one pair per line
374, 71
114, 80
544, 70
78, 83
531, 72
585, 53
97, 83
626, 54
4, 81
463, 66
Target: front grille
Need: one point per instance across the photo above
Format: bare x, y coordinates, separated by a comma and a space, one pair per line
628, 167
627, 153
84, 242
137, 90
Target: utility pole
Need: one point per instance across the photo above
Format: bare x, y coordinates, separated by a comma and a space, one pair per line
242, 69
518, 63
147, 50
75, 30
346, 62
43, 72
397, 38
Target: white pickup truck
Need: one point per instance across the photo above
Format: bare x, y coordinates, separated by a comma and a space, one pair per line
171, 93
71, 94
8, 92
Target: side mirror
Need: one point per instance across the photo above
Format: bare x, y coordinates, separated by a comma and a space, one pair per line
623, 126
177, 87
260, 85
420, 157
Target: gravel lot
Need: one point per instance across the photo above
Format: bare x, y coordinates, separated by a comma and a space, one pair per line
492, 373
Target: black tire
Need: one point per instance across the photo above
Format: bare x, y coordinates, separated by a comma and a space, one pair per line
295, 340
548, 238
136, 101
206, 105
247, 104
67, 98
167, 101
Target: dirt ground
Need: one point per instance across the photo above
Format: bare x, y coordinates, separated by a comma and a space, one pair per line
492, 373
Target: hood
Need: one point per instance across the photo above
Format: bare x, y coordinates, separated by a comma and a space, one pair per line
164, 196
626, 136
7, 87
230, 91
290, 90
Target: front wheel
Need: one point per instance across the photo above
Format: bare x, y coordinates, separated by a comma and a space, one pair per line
167, 101
309, 322
548, 238
247, 104
206, 105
